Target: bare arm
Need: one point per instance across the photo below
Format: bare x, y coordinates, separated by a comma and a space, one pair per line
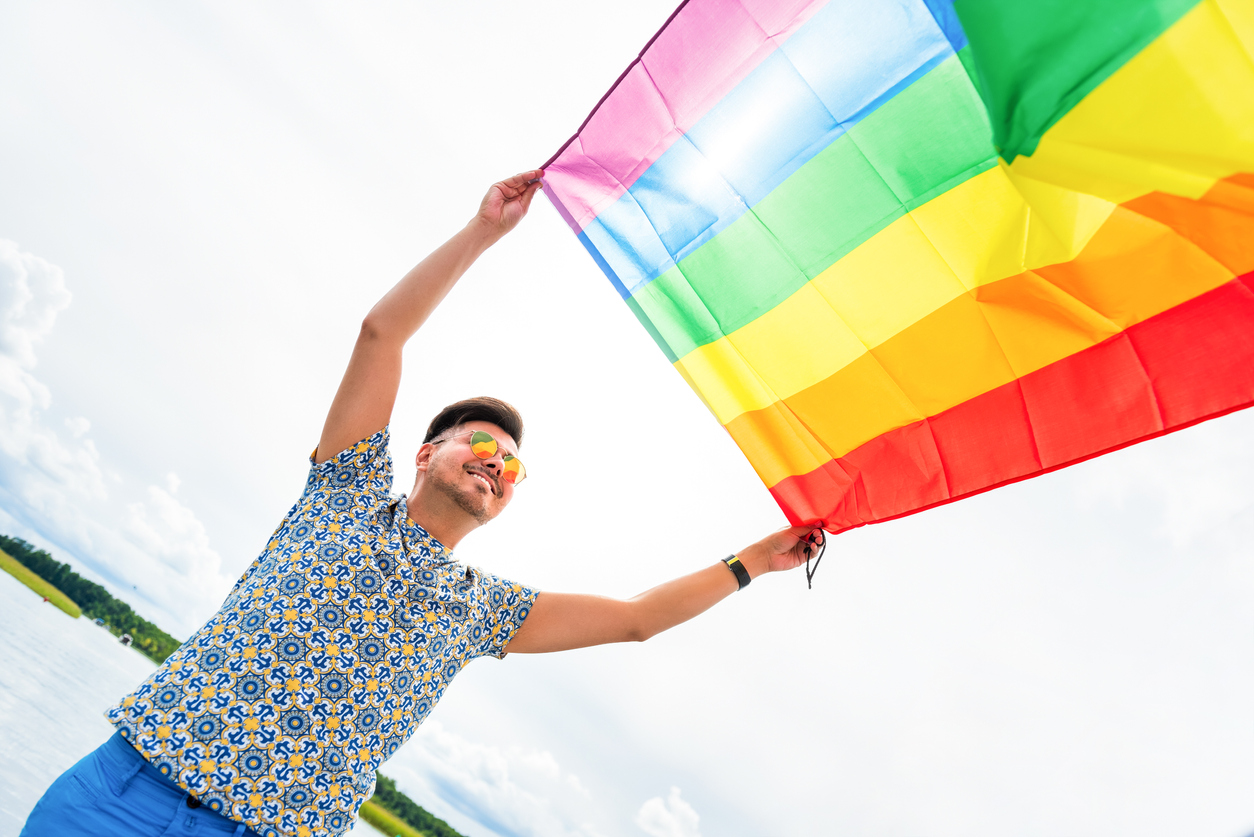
561, 621
363, 403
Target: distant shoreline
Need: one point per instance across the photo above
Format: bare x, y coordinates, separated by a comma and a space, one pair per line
35, 566
39, 585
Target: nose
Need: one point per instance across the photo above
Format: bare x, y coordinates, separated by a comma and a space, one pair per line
496, 461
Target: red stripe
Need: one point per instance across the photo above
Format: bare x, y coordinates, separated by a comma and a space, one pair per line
1185, 365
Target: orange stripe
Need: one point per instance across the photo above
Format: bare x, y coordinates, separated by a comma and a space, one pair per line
1219, 223
1192, 362
1139, 264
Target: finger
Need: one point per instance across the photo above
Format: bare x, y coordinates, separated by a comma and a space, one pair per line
506, 189
520, 181
509, 191
529, 194
524, 190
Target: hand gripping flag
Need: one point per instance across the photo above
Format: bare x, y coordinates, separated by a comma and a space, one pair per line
910, 250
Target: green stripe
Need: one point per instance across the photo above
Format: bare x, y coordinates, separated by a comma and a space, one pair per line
1036, 60
924, 141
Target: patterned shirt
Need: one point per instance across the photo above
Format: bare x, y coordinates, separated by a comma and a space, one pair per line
328, 653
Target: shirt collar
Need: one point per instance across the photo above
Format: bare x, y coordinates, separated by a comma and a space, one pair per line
414, 535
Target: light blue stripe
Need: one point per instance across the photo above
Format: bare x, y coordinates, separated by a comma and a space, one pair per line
845, 62
947, 20
601, 263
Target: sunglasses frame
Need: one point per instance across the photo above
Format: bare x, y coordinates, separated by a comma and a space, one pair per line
506, 457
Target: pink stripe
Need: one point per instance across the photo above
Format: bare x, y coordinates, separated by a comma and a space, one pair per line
705, 50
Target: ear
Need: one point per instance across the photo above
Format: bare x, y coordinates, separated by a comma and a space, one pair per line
423, 457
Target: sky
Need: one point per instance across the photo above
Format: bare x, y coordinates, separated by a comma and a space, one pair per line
199, 202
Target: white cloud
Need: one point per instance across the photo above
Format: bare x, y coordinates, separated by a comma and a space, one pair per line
1179, 475
56, 486
511, 792
670, 817
577, 785
78, 426
167, 530
32, 293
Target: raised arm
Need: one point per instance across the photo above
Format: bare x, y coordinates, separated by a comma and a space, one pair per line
561, 621
363, 403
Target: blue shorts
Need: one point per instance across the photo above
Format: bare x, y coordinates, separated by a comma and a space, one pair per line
115, 792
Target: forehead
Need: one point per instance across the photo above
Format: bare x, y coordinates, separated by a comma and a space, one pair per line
503, 439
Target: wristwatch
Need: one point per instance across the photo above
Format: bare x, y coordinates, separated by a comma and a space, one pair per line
742, 575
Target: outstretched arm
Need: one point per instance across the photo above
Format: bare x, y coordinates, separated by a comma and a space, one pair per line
363, 403
561, 621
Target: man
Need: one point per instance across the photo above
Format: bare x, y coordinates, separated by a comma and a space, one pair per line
337, 642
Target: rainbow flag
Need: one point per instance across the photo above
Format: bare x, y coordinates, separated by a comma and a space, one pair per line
910, 250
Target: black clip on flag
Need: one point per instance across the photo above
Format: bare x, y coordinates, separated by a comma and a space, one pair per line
817, 558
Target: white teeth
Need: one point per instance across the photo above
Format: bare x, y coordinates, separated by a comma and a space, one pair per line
485, 481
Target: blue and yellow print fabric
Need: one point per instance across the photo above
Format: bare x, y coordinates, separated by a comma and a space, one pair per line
327, 655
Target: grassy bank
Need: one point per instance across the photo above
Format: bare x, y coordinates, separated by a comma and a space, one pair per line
387, 822
15, 568
94, 600
388, 797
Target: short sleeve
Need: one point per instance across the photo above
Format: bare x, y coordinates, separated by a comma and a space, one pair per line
505, 605
361, 472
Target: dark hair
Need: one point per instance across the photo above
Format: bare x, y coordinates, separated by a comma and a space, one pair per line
483, 408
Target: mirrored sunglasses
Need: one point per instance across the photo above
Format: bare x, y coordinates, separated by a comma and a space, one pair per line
484, 446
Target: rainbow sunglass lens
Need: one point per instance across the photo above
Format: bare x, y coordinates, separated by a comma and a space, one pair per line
513, 472
485, 447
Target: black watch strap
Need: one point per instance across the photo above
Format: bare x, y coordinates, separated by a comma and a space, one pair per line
742, 575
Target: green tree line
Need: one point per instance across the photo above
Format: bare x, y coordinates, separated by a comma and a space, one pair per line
387, 796
93, 599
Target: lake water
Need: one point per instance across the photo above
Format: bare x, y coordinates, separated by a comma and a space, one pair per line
57, 675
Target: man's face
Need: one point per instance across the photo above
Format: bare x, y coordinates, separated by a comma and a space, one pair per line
474, 484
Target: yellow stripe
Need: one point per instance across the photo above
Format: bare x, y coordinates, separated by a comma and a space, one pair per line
1175, 119
992, 226
1134, 268
1007, 220
1240, 16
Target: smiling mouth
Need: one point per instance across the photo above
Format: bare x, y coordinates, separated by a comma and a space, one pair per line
487, 482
